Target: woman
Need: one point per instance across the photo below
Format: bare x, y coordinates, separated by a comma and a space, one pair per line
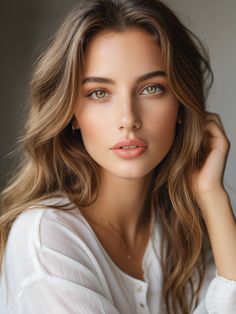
119, 205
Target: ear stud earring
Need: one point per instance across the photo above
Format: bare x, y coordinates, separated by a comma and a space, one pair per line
73, 129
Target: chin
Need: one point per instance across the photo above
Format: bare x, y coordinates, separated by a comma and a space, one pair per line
130, 172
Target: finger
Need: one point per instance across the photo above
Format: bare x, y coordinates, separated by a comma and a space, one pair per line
211, 116
214, 116
215, 128
216, 121
216, 133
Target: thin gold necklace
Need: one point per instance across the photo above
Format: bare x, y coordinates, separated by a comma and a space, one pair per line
124, 245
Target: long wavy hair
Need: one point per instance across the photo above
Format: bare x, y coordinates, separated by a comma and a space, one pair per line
55, 161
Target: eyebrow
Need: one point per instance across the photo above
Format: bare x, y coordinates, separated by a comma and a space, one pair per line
144, 77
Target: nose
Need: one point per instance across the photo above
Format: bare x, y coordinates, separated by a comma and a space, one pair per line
128, 118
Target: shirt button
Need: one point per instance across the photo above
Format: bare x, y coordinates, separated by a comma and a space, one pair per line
141, 304
139, 289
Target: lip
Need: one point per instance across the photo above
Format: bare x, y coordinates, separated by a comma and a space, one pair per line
129, 142
130, 152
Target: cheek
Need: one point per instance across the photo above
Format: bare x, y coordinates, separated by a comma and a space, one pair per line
162, 121
161, 126
91, 124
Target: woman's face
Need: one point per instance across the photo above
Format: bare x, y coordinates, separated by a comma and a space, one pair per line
123, 104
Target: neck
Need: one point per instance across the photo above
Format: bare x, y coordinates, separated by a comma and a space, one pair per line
123, 203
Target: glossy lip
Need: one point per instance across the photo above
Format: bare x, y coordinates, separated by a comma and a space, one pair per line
129, 142
130, 152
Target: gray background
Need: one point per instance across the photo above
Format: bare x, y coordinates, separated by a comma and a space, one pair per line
27, 25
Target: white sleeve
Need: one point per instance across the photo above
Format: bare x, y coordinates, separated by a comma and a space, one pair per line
218, 294
221, 296
57, 295
49, 270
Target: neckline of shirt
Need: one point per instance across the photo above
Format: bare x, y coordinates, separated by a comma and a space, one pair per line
148, 250
145, 259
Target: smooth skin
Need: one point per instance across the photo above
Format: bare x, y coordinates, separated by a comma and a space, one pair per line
148, 110
125, 110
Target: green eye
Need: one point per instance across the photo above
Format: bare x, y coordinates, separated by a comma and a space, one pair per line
151, 89
100, 93
154, 89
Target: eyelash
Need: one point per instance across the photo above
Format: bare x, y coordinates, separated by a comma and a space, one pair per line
103, 90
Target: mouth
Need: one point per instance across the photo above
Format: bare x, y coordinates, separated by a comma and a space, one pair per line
129, 147
131, 151
133, 143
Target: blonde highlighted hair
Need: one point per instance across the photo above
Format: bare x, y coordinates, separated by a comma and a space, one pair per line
55, 161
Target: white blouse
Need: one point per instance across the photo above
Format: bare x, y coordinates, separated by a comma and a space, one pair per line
54, 263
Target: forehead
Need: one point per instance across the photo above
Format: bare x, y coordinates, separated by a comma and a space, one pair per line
130, 48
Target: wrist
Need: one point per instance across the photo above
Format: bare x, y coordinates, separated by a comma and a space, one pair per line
213, 202
211, 195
